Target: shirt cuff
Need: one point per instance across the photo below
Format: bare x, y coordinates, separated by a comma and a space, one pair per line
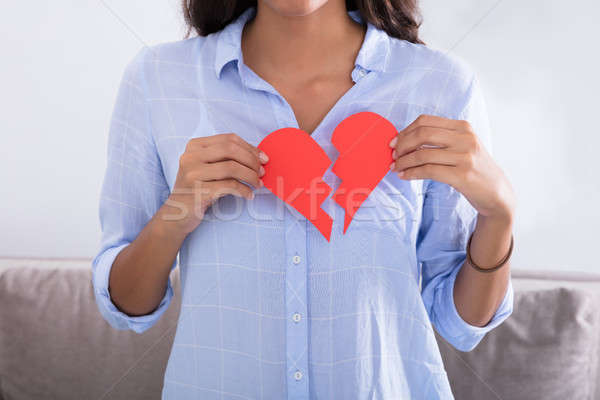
462, 335
101, 266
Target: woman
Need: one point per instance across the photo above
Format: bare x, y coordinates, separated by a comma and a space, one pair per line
270, 309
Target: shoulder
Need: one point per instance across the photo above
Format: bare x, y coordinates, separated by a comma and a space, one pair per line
169, 62
180, 52
443, 79
420, 56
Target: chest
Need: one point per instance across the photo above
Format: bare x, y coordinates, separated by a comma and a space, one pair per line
249, 107
312, 99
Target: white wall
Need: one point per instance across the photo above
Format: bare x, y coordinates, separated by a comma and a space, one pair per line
62, 62
539, 63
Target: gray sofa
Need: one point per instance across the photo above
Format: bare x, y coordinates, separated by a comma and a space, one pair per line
55, 345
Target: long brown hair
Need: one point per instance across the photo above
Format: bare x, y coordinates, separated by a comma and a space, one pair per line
398, 18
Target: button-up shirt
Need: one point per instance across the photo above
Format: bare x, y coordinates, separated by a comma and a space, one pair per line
270, 309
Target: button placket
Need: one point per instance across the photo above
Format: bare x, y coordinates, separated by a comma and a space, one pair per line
296, 306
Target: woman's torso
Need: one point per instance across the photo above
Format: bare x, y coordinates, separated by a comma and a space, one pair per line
269, 307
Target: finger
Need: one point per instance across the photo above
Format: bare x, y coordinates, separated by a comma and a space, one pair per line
426, 156
230, 170
424, 136
233, 187
441, 173
207, 141
436, 122
224, 151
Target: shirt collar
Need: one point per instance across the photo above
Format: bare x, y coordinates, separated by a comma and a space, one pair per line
375, 48
229, 41
372, 55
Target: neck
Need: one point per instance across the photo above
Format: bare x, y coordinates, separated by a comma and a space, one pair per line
272, 41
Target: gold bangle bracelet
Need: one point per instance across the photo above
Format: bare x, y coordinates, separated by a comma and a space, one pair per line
493, 268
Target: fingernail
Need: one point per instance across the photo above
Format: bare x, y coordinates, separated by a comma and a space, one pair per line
394, 141
392, 165
261, 183
251, 195
263, 157
394, 154
261, 171
400, 174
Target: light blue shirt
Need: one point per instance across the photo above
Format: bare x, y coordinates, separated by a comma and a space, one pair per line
270, 309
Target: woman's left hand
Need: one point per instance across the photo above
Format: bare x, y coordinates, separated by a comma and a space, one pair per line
458, 159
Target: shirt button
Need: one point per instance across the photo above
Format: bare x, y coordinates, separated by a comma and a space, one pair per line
296, 317
297, 375
362, 72
296, 259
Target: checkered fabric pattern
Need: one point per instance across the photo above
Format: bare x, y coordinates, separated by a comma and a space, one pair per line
270, 309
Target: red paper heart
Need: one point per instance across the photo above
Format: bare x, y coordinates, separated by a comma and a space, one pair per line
297, 164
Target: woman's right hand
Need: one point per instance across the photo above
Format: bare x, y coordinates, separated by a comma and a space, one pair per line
212, 167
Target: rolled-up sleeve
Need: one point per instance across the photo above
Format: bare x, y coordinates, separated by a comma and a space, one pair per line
133, 189
447, 221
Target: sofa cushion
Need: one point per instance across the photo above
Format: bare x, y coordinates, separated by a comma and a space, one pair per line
54, 343
548, 349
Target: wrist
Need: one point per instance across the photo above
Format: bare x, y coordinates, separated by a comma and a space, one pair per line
170, 224
500, 218
498, 226
503, 211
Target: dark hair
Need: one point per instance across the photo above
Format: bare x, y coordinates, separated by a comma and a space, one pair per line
398, 18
